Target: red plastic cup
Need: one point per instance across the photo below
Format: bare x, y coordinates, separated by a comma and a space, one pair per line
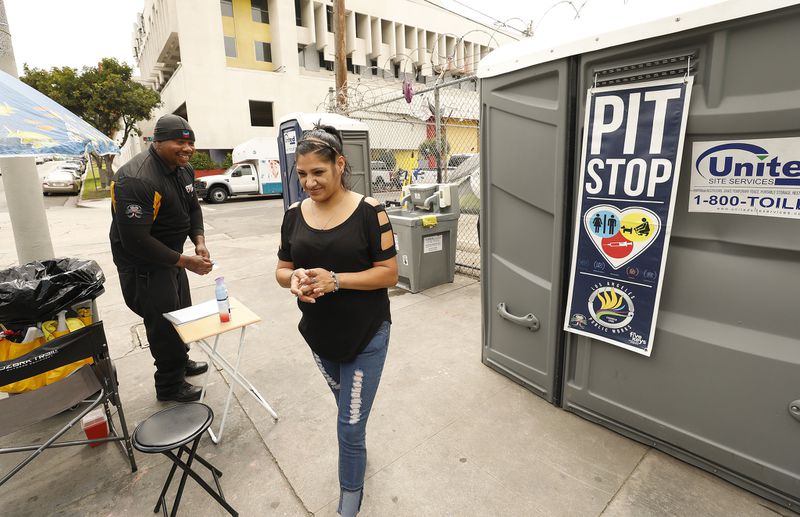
95, 426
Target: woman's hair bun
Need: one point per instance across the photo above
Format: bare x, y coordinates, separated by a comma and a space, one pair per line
320, 127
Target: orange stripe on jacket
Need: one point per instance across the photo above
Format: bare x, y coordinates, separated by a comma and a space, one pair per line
156, 205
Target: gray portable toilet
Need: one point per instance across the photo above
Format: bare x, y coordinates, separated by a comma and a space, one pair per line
355, 138
721, 389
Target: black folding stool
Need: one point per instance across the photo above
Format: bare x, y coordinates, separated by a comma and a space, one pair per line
173, 428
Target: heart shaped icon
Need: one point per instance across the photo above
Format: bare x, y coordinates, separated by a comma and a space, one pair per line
621, 235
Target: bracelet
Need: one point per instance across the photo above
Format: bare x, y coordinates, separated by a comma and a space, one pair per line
335, 281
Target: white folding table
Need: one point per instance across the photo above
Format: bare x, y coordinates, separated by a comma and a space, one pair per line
199, 331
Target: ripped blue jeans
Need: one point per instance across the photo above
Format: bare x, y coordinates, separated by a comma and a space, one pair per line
354, 386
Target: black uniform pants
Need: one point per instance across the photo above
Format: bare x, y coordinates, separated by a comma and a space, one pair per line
150, 294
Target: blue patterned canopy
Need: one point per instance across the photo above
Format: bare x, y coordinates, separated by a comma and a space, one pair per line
32, 124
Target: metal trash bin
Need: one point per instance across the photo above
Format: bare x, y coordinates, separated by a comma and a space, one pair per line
425, 230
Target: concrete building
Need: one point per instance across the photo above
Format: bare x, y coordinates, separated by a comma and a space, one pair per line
234, 67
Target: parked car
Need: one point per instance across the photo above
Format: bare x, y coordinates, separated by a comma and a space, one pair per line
457, 159
61, 180
80, 164
468, 170
381, 175
72, 168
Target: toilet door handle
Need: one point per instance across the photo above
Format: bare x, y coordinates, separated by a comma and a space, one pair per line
794, 409
529, 320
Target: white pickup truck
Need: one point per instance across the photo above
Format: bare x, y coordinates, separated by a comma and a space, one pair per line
255, 171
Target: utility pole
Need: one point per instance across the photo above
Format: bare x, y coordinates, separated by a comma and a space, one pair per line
21, 180
340, 65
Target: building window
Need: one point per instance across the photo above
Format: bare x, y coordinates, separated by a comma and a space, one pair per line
230, 46
263, 52
350, 65
301, 56
373, 64
329, 13
386, 29
298, 13
396, 67
327, 65
420, 77
261, 114
259, 11
226, 6
361, 22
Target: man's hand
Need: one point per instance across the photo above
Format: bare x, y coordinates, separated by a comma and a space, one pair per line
201, 250
197, 264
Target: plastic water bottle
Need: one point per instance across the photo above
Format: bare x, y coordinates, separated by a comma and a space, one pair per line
222, 300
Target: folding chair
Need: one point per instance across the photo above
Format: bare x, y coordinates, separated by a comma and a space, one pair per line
95, 383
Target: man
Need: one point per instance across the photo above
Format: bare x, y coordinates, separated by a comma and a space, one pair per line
153, 210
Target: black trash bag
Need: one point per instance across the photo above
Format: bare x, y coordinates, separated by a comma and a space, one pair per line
37, 291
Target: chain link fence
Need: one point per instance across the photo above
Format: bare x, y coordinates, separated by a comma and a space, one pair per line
429, 136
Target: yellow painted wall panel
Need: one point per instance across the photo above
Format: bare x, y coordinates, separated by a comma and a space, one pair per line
228, 27
463, 138
406, 159
247, 32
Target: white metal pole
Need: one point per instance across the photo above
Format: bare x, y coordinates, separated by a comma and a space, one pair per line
21, 181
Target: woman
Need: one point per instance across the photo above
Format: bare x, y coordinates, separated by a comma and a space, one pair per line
337, 256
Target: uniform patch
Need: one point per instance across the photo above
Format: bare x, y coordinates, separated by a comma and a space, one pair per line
189, 188
133, 211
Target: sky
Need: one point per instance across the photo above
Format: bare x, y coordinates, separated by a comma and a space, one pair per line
76, 33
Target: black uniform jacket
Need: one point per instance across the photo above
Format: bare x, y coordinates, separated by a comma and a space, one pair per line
153, 210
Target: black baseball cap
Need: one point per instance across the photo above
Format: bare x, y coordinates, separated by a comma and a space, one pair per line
171, 127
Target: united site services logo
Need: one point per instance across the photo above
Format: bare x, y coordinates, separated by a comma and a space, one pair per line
611, 308
759, 162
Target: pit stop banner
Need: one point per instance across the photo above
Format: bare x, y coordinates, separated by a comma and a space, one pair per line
632, 145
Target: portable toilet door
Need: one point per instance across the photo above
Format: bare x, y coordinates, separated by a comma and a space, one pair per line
288, 134
355, 143
721, 388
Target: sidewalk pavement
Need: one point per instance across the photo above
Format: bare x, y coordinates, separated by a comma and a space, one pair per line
447, 437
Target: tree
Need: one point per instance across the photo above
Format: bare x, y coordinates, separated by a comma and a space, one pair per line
105, 96
202, 161
226, 164
428, 147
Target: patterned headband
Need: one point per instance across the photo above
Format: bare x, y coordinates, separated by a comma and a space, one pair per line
320, 141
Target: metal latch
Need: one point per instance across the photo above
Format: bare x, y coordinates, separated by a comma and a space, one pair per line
529, 320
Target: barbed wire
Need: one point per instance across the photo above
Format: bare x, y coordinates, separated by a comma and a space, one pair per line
366, 92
